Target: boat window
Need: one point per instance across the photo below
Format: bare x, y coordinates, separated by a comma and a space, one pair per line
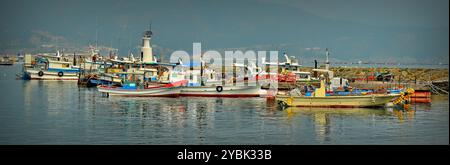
304, 76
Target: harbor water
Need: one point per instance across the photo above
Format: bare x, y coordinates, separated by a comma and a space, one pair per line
40, 112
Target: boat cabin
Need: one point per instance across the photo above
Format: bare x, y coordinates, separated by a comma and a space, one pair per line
58, 65
302, 76
339, 83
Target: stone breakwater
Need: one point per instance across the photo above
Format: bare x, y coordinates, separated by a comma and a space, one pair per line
417, 78
404, 75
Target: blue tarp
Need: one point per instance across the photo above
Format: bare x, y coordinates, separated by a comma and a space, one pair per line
129, 86
355, 92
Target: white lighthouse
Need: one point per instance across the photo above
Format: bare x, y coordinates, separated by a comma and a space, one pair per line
146, 49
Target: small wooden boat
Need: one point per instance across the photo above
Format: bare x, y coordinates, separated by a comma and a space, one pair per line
421, 96
372, 100
167, 90
6, 60
221, 91
320, 99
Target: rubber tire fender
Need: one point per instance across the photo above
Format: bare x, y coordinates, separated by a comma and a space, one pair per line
219, 88
40, 73
60, 74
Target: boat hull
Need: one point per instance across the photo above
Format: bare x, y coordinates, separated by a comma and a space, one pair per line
152, 92
421, 96
336, 101
49, 75
421, 99
221, 91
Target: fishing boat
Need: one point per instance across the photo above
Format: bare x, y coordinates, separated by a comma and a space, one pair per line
6, 60
282, 72
207, 86
49, 68
35, 74
221, 91
145, 69
133, 90
373, 100
321, 99
206, 83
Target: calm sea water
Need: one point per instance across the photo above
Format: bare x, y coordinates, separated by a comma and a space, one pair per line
36, 112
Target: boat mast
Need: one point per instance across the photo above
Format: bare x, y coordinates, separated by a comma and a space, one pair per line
129, 40
96, 33
327, 63
74, 59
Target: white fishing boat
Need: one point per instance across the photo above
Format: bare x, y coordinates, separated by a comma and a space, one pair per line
143, 69
37, 74
6, 60
49, 68
221, 91
206, 83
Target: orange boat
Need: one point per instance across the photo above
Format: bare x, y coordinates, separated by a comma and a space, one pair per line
421, 96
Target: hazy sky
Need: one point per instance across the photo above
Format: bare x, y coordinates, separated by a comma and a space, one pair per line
376, 30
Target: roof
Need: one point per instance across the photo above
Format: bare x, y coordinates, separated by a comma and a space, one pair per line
301, 72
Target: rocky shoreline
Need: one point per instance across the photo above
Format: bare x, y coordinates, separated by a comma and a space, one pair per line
417, 78
403, 75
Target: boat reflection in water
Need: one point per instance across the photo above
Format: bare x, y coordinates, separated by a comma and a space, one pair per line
171, 120
409, 114
331, 121
54, 112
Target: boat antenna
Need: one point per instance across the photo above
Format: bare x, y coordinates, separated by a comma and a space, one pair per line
96, 33
129, 41
74, 59
327, 63
118, 45
150, 25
